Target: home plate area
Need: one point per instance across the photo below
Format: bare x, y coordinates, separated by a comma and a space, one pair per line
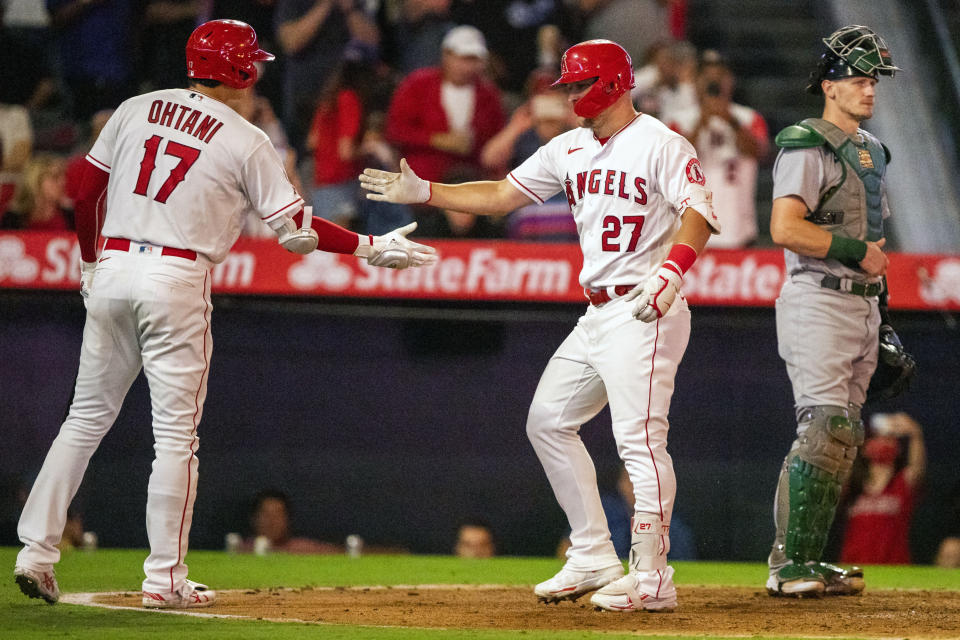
702, 610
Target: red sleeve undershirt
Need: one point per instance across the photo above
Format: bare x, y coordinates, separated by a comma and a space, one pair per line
90, 208
333, 238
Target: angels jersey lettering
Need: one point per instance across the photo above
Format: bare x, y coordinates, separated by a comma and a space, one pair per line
185, 170
626, 195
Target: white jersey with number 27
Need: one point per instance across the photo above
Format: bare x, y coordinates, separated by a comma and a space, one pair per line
185, 170
626, 195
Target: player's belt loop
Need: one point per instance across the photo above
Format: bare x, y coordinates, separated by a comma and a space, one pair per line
846, 285
122, 244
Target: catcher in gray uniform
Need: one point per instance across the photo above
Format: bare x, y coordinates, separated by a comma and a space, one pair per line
829, 205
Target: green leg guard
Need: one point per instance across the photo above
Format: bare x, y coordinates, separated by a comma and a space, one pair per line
807, 494
814, 494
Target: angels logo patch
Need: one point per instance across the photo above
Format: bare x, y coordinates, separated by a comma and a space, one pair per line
695, 172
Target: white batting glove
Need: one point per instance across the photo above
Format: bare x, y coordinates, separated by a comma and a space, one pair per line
86, 278
405, 187
395, 251
655, 297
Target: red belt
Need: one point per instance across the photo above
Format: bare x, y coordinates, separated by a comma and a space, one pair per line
600, 296
122, 244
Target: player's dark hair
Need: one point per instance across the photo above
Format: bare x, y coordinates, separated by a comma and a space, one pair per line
204, 82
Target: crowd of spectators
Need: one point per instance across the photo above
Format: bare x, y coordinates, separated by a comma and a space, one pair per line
461, 88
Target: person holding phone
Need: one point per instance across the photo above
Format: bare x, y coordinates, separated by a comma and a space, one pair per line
730, 140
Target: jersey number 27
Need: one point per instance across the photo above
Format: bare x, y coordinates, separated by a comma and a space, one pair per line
187, 155
611, 232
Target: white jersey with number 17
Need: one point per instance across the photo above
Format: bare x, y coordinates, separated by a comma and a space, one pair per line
185, 170
626, 194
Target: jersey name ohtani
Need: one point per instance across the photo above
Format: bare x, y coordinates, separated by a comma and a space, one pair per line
607, 182
175, 116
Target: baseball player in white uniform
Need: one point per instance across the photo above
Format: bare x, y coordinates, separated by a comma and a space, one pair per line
637, 194
180, 170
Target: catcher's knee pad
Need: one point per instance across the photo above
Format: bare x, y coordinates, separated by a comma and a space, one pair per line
830, 437
818, 464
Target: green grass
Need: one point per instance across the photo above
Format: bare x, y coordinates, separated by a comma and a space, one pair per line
120, 570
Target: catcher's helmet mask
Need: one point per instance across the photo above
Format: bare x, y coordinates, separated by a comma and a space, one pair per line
607, 64
226, 51
853, 51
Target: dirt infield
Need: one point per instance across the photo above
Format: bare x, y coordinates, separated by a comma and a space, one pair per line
702, 610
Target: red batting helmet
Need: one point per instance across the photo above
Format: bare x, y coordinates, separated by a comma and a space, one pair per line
225, 50
604, 60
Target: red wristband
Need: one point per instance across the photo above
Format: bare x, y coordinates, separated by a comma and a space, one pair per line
681, 257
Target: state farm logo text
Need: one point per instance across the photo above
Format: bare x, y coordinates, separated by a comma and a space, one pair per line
482, 271
745, 281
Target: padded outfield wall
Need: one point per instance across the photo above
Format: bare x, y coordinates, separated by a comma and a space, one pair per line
394, 420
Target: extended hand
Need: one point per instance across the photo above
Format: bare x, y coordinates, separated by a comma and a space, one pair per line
655, 297
395, 251
405, 187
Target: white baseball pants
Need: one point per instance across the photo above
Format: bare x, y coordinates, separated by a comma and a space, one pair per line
609, 357
151, 311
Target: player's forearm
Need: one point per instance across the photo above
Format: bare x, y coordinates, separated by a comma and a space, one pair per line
332, 238
694, 230
790, 230
482, 198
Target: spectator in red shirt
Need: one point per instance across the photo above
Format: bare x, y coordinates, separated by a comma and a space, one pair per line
442, 116
334, 139
878, 519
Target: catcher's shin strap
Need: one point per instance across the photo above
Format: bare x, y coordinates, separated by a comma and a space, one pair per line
847, 285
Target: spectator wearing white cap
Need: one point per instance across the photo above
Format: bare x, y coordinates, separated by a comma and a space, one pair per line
441, 117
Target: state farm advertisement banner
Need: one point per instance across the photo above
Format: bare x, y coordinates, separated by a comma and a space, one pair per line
474, 270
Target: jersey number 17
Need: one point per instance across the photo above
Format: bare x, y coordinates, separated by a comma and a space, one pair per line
187, 155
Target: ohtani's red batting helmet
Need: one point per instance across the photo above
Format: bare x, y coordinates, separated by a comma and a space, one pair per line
604, 60
225, 50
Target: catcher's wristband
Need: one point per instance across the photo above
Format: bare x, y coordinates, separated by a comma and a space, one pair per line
847, 249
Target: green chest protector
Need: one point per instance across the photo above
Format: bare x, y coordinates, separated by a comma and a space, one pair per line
867, 161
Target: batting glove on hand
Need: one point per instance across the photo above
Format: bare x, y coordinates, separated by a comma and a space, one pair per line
395, 251
403, 188
86, 278
655, 297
